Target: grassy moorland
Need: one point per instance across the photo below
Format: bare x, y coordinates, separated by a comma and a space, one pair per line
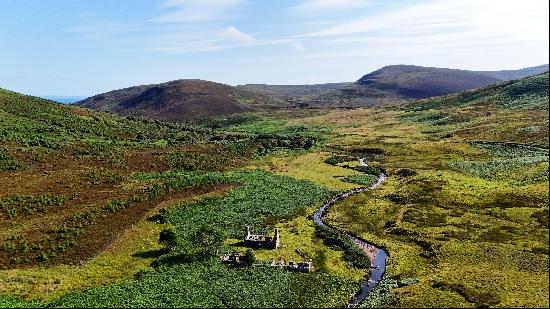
109, 211
465, 207
82, 219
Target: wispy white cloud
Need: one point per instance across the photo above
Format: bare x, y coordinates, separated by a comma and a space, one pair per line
234, 34
441, 29
298, 46
518, 18
188, 11
228, 38
329, 4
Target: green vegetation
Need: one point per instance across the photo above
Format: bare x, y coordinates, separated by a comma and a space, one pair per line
483, 233
7, 162
510, 112
211, 284
363, 179
105, 211
9, 301
261, 196
28, 204
198, 229
353, 254
196, 161
383, 294
527, 93
337, 159
249, 257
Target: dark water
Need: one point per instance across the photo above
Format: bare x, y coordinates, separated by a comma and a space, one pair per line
378, 263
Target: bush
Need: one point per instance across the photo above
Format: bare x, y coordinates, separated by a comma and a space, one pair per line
8, 163
249, 257
405, 172
372, 170
168, 238
333, 160
364, 179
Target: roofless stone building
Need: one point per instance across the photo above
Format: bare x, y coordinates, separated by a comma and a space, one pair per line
261, 241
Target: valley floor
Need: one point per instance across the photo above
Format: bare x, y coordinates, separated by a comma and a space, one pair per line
463, 216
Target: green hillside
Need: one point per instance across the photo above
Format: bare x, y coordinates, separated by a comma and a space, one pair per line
513, 111
530, 93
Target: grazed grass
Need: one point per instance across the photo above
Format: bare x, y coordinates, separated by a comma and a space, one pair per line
310, 166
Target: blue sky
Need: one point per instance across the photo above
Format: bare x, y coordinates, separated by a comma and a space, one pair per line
84, 47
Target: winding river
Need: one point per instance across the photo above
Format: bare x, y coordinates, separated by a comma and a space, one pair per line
377, 255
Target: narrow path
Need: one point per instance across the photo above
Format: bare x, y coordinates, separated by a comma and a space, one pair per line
376, 255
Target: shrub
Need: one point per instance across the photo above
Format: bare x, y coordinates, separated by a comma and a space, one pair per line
168, 238
249, 257
7, 163
372, 170
333, 160
405, 172
364, 179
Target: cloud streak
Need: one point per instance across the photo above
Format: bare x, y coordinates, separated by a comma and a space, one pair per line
234, 34
329, 4
189, 11
450, 29
491, 16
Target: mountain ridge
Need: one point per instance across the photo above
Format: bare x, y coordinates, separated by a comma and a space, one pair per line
195, 99
179, 100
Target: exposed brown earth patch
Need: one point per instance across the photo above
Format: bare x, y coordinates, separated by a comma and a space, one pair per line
94, 234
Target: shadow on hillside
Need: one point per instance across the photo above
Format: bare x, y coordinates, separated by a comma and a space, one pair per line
150, 254
238, 244
170, 260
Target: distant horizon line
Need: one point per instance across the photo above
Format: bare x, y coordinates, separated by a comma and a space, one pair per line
68, 97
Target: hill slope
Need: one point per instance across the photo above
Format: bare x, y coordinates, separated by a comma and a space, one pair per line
405, 82
422, 82
516, 74
178, 100
512, 111
530, 93
290, 91
67, 174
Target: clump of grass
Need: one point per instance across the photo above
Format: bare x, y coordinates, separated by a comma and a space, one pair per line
371, 170
405, 172
337, 159
529, 130
362, 179
97, 176
383, 294
8, 163
496, 169
509, 150
478, 298
29, 204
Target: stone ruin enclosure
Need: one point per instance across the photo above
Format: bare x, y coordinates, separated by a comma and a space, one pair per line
261, 241
304, 267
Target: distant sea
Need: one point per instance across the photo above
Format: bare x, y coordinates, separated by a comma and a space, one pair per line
64, 99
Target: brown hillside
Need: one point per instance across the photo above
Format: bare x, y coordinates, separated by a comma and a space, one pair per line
178, 100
